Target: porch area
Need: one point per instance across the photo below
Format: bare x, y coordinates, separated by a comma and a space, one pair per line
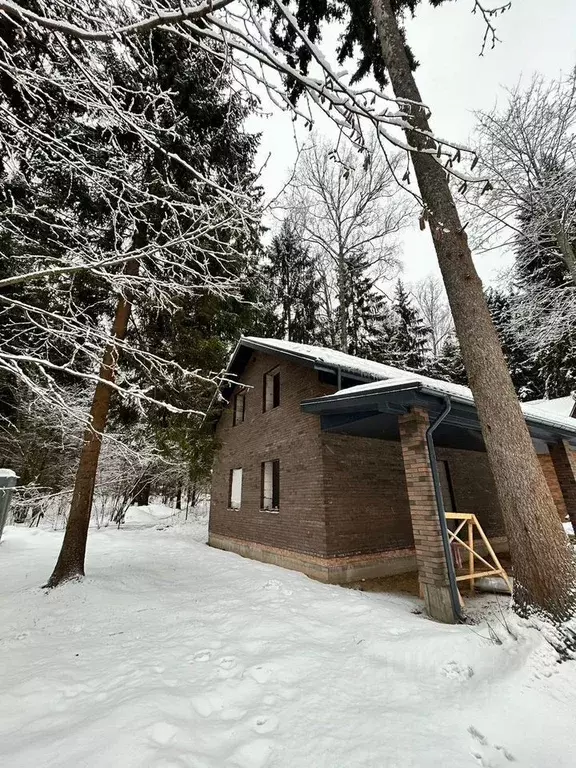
427, 418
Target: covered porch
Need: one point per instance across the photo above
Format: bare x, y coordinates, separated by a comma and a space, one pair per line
426, 416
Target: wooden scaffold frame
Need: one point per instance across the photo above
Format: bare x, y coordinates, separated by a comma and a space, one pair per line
495, 568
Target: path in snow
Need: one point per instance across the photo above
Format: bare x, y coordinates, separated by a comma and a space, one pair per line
174, 655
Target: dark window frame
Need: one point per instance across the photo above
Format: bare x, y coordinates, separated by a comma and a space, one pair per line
272, 375
235, 419
275, 507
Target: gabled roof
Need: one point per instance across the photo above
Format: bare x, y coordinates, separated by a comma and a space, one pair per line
316, 357
385, 378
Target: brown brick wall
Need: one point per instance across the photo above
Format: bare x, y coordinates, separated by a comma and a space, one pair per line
355, 485
367, 501
284, 433
561, 458
552, 480
365, 495
474, 489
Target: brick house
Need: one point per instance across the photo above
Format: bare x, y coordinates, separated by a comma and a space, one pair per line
326, 465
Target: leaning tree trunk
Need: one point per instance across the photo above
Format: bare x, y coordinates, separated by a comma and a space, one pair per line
544, 572
70, 564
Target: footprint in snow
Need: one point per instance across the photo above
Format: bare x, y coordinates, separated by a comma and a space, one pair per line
263, 673
264, 723
162, 733
488, 755
455, 671
253, 754
277, 586
203, 655
228, 667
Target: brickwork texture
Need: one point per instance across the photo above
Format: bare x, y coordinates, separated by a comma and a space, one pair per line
341, 496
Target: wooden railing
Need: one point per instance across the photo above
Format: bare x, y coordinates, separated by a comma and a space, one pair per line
463, 536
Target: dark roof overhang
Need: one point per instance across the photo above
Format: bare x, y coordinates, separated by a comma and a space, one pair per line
374, 413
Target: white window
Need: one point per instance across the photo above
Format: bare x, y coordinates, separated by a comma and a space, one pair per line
270, 500
235, 493
271, 390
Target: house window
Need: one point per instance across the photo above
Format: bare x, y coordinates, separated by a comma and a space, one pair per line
235, 489
270, 500
239, 408
271, 390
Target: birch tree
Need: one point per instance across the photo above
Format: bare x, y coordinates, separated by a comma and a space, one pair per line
349, 212
528, 146
430, 298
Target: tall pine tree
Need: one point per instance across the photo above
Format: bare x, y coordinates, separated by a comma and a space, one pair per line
409, 342
290, 286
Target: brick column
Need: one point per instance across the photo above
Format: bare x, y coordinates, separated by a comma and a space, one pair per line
432, 570
560, 454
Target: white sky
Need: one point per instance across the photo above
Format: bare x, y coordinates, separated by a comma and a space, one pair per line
536, 35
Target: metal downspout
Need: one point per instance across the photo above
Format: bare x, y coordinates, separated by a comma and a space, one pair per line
454, 594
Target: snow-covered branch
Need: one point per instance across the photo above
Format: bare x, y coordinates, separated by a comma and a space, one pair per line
24, 16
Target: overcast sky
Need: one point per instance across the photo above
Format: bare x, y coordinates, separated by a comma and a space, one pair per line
536, 36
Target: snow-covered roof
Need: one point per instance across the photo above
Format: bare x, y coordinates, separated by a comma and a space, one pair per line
359, 365
385, 377
562, 406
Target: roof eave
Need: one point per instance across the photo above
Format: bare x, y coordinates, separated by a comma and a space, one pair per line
540, 428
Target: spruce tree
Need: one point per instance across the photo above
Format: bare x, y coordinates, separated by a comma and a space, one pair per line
523, 368
291, 286
449, 365
410, 340
367, 312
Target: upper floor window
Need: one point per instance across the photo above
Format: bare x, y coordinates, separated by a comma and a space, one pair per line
239, 408
235, 489
271, 390
270, 499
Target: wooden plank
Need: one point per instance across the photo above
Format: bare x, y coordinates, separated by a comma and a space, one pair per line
479, 574
454, 534
495, 567
471, 554
493, 554
490, 565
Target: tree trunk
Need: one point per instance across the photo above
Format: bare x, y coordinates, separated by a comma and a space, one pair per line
179, 495
142, 495
343, 302
544, 572
70, 564
566, 249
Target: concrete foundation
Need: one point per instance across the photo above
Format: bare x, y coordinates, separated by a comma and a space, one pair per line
330, 570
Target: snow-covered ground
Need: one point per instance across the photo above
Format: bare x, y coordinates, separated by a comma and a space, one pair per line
174, 655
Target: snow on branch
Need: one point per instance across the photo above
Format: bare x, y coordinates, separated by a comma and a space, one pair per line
108, 185
24, 16
185, 243
239, 30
